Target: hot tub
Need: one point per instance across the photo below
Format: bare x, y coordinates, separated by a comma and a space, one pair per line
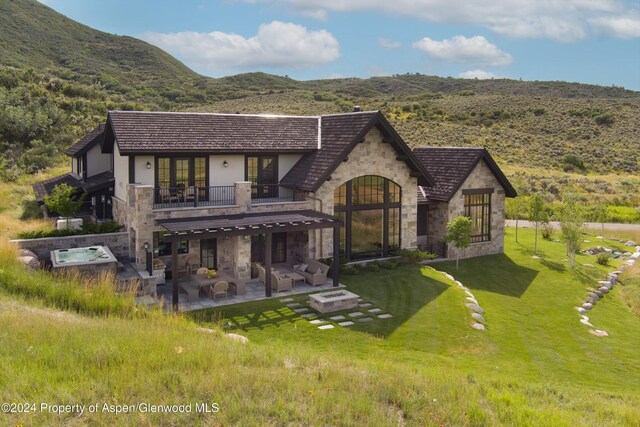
92, 259
327, 302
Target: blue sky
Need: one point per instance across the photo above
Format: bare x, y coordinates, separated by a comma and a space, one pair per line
587, 41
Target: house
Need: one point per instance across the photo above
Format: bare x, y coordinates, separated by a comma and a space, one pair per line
91, 172
231, 189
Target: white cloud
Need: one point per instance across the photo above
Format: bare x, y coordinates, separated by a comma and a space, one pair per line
477, 74
623, 27
276, 44
564, 20
474, 50
389, 44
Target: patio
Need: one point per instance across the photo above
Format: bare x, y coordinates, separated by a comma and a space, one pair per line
254, 292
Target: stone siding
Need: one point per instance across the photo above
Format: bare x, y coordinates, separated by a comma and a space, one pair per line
372, 157
481, 177
118, 243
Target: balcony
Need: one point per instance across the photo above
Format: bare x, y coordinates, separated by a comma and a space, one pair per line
193, 197
274, 193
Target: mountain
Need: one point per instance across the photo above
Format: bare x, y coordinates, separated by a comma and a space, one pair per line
34, 35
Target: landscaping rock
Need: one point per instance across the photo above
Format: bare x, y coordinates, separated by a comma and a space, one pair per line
591, 299
472, 300
588, 265
206, 330
635, 255
581, 310
469, 293
323, 327
478, 317
587, 306
347, 323
26, 252
450, 277
599, 333
460, 285
604, 289
385, 316
600, 294
631, 243
475, 307
478, 326
239, 338
29, 262
585, 322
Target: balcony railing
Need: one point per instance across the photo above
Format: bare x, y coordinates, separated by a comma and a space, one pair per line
187, 197
274, 193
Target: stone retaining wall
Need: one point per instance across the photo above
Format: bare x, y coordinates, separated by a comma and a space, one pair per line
118, 243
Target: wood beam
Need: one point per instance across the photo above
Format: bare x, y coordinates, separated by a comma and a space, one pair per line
267, 265
387, 140
402, 157
336, 257
174, 276
415, 174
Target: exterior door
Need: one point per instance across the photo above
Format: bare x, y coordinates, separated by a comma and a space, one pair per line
278, 248
262, 172
209, 253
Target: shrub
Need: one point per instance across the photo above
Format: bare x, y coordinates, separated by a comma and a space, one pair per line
350, 270
571, 161
547, 230
538, 111
415, 255
392, 264
603, 258
604, 119
374, 268
105, 227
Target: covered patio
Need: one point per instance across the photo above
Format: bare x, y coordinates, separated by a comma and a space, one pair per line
214, 227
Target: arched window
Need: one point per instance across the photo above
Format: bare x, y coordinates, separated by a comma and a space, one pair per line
369, 206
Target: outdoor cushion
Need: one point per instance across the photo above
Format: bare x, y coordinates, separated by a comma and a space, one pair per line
303, 267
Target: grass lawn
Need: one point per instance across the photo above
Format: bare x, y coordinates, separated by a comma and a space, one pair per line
534, 365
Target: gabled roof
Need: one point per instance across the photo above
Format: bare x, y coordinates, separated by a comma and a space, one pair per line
450, 166
91, 184
340, 133
87, 142
171, 132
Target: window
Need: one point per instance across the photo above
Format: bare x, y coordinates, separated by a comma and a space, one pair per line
477, 206
174, 174
262, 172
369, 206
162, 248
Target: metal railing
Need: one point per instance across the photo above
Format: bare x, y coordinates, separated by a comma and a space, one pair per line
274, 193
186, 197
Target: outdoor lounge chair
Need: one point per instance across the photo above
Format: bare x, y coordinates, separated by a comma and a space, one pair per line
220, 288
262, 273
281, 283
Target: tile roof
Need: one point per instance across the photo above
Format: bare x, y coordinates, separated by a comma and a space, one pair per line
151, 132
450, 167
340, 133
86, 142
101, 180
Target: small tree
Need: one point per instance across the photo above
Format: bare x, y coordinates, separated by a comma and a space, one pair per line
61, 201
517, 209
459, 234
600, 215
537, 214
571, 214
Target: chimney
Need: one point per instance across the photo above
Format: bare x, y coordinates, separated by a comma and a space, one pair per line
356, 109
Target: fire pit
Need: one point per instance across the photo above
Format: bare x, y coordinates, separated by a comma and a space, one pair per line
327, 302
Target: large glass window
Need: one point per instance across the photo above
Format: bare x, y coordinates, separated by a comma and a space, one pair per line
262, 172
477, 206
162, 248
369, 206
164, 172
174, 174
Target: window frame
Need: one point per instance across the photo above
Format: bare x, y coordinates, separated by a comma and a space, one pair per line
477, 207
191, 179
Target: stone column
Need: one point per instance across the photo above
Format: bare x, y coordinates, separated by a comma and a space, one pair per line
242, 257
141, 219
243, 195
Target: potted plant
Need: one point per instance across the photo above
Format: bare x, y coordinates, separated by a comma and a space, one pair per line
61, 201
211, 273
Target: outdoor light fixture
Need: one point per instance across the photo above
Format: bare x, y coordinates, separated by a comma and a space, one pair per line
148, 164
225, 164
146, 246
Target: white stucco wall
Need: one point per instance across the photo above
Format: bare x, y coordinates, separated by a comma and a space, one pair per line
219, 175
286, 162
120, 173
97, 161
144, 175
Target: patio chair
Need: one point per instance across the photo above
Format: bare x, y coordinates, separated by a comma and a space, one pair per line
262, 273
220, 288
202, 271
281, 283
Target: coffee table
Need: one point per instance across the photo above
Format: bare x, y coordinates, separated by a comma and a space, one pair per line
295, 277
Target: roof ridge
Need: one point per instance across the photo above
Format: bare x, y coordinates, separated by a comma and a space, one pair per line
350, 113
203, 113
448, 146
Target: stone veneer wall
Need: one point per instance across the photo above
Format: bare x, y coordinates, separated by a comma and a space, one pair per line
372, 157
118, 243
481, 177
234, 253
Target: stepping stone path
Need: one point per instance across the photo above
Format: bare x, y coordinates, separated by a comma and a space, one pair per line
301, 310
323, 327
286, 300
586, 322
599, 333
375, 310
385, 316
581, 310
365, 319
365, 305
293, 304
472, 300
587, 306
337, 318
478, 326
356, 314
307, 315
317, 322
348, 323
